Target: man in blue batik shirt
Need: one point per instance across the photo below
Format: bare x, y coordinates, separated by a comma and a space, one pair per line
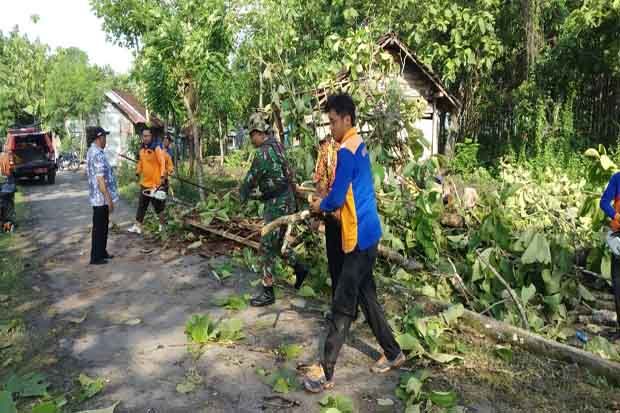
102, 194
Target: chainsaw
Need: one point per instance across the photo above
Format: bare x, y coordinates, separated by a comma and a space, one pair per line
155, 193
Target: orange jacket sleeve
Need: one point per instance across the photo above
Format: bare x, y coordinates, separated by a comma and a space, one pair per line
139, 164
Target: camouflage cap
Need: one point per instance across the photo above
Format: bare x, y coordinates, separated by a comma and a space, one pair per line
257, 123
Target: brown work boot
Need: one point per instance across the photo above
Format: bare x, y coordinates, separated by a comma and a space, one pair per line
315, 381
383, 365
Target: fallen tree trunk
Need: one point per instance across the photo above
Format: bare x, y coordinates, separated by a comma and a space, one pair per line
506, 333
410, 265
406, 264
500, 331
285, 220
223, 234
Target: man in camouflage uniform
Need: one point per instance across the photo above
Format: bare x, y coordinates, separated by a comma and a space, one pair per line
271, 173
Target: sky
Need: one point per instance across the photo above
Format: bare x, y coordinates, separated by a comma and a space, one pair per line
65, 23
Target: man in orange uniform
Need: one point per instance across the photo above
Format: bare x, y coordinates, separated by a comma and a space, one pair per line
151, 169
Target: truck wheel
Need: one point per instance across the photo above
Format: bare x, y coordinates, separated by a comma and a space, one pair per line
51, 177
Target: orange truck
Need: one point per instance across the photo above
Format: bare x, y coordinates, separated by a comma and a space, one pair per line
31, 154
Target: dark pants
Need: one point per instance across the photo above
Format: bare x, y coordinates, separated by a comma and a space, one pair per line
356, 287
143, 205
98, 250
333, 245
615, 283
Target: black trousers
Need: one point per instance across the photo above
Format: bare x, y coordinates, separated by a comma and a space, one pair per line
356, 287
99, 244
333, 245
615, 283
143, 205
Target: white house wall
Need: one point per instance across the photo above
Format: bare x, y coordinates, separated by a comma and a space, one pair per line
121, 130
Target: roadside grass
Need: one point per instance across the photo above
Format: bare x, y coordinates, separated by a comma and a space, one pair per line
11, 263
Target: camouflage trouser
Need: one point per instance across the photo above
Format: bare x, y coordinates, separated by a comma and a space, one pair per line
271, 244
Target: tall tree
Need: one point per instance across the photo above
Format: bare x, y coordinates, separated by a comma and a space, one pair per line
73, 88
184, 42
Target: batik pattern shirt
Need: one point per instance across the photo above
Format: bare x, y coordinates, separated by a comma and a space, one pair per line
97, 165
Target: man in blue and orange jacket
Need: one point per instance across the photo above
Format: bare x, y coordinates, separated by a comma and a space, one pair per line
610, 204
353, 194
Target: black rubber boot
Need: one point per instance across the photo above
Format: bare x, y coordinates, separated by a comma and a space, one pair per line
267, 297
301, 272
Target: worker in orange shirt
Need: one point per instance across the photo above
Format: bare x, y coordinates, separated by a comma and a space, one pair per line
168, 155
151, 170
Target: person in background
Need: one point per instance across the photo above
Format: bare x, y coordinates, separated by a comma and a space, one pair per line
610, 204
168, 157
271, 174
151, 169
324, 175
353, 194
102, 193
7, 194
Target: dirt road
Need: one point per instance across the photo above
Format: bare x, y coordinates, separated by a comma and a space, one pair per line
124, 322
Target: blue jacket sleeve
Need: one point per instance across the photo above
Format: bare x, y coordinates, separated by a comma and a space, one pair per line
609, 196
344, 176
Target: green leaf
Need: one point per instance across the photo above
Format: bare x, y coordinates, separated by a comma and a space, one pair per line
527, 293
453, 313
607, 163
326, 401
592, 153
408, 342
46, 407
290, 351
200, 329
552, 282
414, 408
606, 267
603, 348
231, 329
586, 294
350, 14
307, 292
505, 353
7, 405
445, 399
89, 387
414, 386
538, 251
553, 301
29, 385
281, 386
443, 358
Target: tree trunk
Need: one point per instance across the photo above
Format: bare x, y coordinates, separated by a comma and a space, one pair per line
190, 101
260, 85
83, 137
219, 121
533, 32
190, 147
